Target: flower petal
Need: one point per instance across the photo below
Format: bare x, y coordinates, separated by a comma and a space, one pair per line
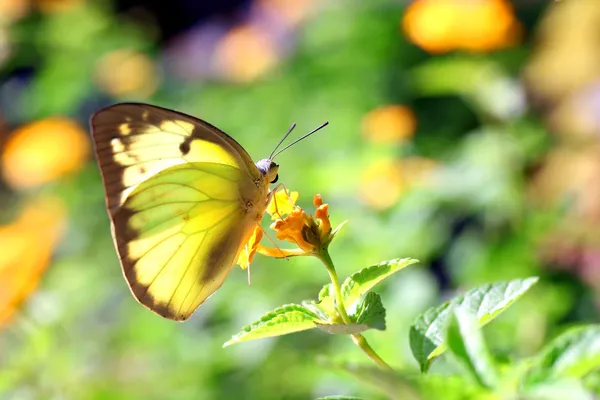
281, 204
247, 254
279, 253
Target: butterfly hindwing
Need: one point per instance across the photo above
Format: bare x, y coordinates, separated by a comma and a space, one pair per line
175, 189
178, 235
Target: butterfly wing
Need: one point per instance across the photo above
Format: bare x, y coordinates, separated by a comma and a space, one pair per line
175, 189
134, 141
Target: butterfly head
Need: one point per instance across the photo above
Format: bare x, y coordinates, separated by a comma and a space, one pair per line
268, 169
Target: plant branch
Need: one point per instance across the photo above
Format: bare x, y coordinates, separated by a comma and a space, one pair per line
339, 299
361, 342
357, 338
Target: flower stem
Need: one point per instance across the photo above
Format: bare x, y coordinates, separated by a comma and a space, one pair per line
339, 299
357, 338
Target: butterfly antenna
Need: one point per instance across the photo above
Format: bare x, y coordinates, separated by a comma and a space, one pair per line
302, 138
282, 139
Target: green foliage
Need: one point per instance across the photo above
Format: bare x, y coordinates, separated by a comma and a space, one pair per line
491, 205
572, 355
370, 312
323, 314
281, 321
364, 280
466, 342
427, 334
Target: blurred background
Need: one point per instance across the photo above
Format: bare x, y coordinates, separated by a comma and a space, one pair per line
463, 133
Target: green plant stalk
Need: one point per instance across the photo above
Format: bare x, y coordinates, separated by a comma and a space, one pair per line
357, 338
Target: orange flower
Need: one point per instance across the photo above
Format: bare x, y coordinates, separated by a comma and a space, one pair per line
26, 246
42, 151
247, 254
440, 26
311, 234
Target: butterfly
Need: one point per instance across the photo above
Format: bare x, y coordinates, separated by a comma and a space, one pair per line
183, 198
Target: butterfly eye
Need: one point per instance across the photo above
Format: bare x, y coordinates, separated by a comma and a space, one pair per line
276, 178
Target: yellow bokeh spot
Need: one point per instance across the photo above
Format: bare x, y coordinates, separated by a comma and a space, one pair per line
42, 151
245, 53
440, 26
127, 72
389, 124
26, 246
385, 181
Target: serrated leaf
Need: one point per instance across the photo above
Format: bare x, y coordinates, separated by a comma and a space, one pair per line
326, 303
343, 329
314, 307
466, 342
370, 312
326, 291
281, 321
427, 333
573, 354
362, 281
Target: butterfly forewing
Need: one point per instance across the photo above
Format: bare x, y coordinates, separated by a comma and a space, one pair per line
135, 141
177, 193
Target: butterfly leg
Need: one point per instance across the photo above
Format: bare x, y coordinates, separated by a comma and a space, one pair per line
274, 244
271, 195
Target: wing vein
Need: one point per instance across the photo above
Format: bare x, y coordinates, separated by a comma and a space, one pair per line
183, 277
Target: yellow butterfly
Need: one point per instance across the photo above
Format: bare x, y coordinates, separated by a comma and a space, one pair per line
183, 198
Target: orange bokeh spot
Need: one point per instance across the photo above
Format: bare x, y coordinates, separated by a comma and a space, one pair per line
389, 124
245, 53
385, 181
13, 10
289, 12
55, 6
26, 246
42, 151
439, 26
127, 73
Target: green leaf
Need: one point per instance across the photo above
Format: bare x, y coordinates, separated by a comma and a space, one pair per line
466, 342
427, 333
325, 307
326, 292
339, 398
327, 300
362, 281
370, 312
281, 321
574, 354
